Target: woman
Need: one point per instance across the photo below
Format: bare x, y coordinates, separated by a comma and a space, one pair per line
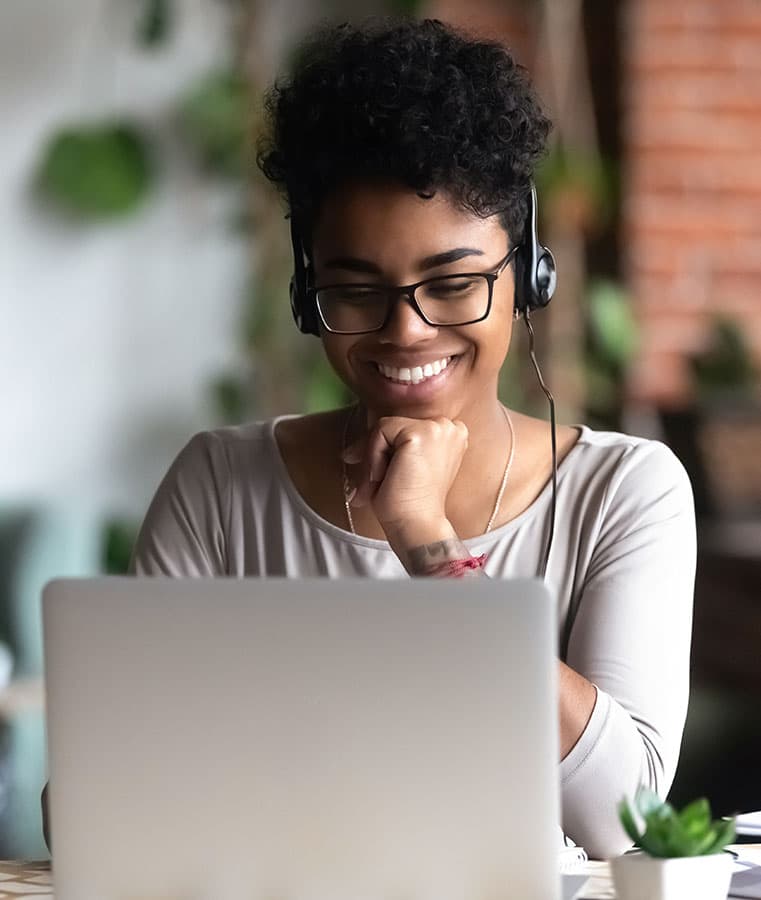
406, 152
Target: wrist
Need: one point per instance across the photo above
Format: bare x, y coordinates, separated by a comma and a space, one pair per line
426, 548
405, 536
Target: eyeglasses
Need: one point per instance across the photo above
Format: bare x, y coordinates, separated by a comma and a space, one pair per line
461, 299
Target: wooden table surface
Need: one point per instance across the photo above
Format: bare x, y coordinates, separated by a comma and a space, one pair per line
20, 880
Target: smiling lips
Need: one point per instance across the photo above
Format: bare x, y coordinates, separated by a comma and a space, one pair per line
415, 374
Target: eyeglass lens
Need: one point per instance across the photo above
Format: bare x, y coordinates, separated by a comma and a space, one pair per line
452, 300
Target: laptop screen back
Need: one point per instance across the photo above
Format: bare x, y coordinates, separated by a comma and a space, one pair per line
302, 739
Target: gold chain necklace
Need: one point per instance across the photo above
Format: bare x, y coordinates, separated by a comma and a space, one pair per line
495, 511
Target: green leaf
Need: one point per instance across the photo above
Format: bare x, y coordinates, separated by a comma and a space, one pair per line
119, 536
654, 843
725, 834
626, 817
726, 364
96, 171
155, 23
231, 398
614, 331
592, 179
214, 117
696, 817
664, 829
669, 833
649, 803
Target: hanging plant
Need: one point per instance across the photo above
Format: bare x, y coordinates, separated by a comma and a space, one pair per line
96, 171
578, 187
214, 118
155, 23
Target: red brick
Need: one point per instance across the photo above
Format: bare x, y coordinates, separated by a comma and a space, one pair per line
699, 15
661, 170
660, 378
687, 53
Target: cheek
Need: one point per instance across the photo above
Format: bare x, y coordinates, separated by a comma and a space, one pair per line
337, 351
493, 340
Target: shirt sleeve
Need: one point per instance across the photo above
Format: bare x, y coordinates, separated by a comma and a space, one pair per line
184, 531
631, 639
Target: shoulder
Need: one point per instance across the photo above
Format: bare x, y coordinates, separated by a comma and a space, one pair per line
223, 451
260, 449
632, 481
623, 458
186, 528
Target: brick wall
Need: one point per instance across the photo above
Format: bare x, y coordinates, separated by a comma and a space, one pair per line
692, 192
507, 20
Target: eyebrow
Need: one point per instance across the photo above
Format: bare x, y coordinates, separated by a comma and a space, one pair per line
353, 264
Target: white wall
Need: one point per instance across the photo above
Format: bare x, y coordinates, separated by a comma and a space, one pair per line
109, 335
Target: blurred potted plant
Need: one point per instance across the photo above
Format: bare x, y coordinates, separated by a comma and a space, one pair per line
612, 341
680, 854
728, 419
724, 371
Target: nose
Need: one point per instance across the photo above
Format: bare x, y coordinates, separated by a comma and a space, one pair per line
405, 325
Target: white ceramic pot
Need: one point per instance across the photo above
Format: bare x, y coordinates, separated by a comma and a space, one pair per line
637, 876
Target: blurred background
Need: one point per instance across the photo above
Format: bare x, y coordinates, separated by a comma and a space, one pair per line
143, 293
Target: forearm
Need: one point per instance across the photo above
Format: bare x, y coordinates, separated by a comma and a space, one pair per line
424, 547
577, 698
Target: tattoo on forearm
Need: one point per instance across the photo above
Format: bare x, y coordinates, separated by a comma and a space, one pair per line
424, 559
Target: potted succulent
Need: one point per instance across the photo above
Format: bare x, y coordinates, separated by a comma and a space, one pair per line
680, 854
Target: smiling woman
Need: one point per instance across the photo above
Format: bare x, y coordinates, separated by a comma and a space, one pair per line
405, 151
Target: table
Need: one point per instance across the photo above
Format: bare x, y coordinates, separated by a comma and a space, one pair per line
34, 881
25, 879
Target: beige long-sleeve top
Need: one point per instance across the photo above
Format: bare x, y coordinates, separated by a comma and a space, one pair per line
622, 566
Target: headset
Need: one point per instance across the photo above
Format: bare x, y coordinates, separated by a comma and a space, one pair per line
535, 283
535, 271
535, 274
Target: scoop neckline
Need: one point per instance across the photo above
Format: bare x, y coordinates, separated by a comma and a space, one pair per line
342, 534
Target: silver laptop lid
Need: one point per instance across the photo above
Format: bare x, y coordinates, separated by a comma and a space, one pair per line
302, 739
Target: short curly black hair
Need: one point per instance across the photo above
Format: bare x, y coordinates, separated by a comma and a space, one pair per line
416, 101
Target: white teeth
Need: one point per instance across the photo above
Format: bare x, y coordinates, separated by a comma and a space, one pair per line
416, 374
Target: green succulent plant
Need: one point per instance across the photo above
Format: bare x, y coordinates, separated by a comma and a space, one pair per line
669, 833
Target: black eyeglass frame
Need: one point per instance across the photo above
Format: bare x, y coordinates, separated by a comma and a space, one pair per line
408, 291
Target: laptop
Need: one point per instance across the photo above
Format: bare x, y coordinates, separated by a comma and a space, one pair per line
315, 739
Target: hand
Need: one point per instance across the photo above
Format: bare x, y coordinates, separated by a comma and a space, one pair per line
405, 469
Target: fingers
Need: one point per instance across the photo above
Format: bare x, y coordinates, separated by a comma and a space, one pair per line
377, 454
372, 454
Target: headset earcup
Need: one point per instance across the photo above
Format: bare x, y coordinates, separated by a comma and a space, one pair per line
303, 304
539, 271
303, 309
545, 277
